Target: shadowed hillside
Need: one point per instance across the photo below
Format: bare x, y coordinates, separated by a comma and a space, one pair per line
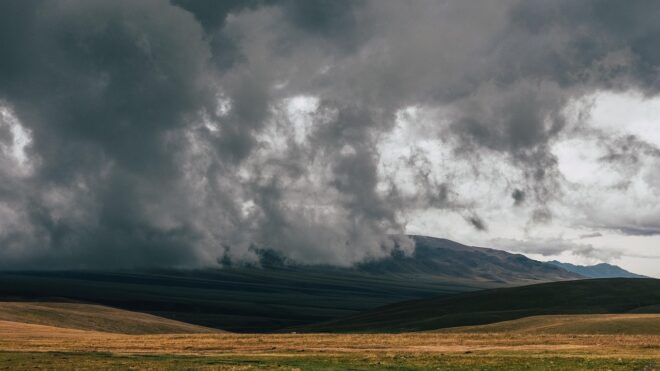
281, 293
618, 295
615, 324
241, 299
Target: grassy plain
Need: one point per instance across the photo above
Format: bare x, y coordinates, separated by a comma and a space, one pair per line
31, 346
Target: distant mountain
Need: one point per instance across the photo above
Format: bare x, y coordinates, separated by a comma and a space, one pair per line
602, 270
601, 296
442, 257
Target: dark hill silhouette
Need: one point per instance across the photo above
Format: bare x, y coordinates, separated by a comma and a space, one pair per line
594, 296
282, 293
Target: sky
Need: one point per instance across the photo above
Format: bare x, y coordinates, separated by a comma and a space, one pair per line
154, 133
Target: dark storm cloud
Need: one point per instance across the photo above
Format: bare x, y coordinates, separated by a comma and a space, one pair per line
518, 196
477, 223
211, 14
159, 133
642, 230
101, 86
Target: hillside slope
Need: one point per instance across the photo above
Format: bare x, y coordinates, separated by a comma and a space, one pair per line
602, 270
618, 295
582, 324
237, 299
90, 317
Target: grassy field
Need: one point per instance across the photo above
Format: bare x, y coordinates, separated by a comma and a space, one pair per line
54, 336
30, 346
424, 361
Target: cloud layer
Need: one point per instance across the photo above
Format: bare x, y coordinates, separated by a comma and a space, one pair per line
155, 133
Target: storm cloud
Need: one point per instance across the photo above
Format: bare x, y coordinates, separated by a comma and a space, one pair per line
155, 133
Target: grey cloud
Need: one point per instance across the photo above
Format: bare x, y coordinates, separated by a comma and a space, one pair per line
627, 150
137, 164
649, 229
591, 235
431, 192
556, 246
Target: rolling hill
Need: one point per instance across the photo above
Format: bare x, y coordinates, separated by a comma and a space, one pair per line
582, 324
602, 270
90, 317
597, 296
282, 294
243, 300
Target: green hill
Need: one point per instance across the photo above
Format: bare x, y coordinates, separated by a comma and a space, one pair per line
597, 296
92, 317
582, 324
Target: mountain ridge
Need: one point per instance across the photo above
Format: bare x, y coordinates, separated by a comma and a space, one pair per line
601, 270
443, 256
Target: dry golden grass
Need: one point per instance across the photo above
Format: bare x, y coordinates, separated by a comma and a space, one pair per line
88, 337
21, 337
26, 346
93, 317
